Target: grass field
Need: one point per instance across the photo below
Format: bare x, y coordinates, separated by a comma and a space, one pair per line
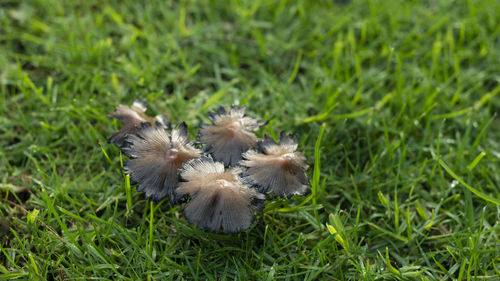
404, 93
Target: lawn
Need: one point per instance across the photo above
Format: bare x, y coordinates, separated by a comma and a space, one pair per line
395, 104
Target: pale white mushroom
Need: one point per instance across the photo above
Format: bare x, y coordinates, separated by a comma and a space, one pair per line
230, 135
156, 156
131, 118
219, 200
277, 169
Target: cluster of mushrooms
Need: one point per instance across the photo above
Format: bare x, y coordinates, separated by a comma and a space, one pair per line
223, 178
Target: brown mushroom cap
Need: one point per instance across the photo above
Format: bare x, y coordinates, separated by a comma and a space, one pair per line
230, 135
156, 156
132, 117
220, 201
277, 169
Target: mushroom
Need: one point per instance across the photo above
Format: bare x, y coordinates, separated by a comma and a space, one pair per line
131, 118
156, 156
277, 169
230, 135
219, 200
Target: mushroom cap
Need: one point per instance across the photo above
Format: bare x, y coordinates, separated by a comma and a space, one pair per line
277, 169
230, 135
132, 117
156, 156
219, 199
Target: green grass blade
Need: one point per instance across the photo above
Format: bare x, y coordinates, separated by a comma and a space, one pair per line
473, 190
317, 171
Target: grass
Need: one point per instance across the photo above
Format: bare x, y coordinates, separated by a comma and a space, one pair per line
405, 178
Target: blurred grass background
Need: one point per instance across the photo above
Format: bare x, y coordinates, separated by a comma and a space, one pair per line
406, 174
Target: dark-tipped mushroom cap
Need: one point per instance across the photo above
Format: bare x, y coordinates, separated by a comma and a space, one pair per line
230, 135
277, 169
156, 157
220, 201
131, 118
